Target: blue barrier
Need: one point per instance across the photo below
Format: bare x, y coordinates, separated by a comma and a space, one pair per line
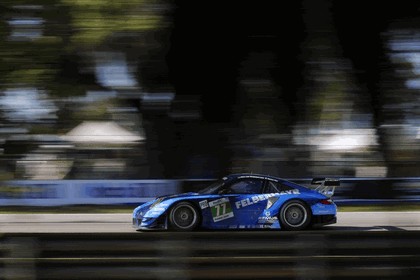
352, 191
73, 192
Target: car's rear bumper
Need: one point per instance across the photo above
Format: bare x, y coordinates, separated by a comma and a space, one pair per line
322, 220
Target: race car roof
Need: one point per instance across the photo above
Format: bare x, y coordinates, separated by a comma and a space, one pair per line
255, 176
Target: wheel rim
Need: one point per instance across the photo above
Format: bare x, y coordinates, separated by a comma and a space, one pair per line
184, 216
295, 215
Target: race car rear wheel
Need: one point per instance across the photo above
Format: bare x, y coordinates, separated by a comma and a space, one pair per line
184, 216
295, 215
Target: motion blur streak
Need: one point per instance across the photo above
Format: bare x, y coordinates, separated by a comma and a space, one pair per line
199, 89
181, 90
220, 255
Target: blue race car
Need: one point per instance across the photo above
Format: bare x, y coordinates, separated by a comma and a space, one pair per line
243, 201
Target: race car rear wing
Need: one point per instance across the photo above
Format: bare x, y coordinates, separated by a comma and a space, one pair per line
326, 186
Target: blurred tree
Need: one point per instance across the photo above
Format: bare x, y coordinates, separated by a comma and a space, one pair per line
246, 69
51, 46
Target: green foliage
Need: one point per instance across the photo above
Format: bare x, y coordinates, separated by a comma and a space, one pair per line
95, 21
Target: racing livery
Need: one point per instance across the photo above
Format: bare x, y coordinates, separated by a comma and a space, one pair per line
243, 201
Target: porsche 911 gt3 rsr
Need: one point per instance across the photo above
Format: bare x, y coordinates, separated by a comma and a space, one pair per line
242, 201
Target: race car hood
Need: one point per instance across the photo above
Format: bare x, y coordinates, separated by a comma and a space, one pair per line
159, 205
181, 195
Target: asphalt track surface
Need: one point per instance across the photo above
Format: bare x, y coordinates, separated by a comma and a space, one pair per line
84, 223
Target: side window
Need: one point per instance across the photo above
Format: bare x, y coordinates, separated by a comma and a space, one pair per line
271, 187
276, 187
246, 186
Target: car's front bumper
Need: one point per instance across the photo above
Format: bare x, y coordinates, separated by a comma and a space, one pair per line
136, 223
150, 224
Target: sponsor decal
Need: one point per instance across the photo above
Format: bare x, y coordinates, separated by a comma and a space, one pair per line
127, 190
294, 191
267, 220
203, 204
261, 197
29, 192
221, 209
253, 199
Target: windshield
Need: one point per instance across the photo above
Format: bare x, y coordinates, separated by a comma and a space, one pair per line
213, 187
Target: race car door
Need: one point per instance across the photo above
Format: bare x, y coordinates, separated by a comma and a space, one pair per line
246, 204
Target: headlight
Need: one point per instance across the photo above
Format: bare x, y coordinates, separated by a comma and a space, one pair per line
157, 201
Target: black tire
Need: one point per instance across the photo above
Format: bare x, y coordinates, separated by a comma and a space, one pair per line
184, 217
295, 215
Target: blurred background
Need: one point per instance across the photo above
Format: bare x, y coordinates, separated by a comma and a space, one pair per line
143, 89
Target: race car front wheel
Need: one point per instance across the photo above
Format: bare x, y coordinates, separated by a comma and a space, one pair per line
184, 216
295, 215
